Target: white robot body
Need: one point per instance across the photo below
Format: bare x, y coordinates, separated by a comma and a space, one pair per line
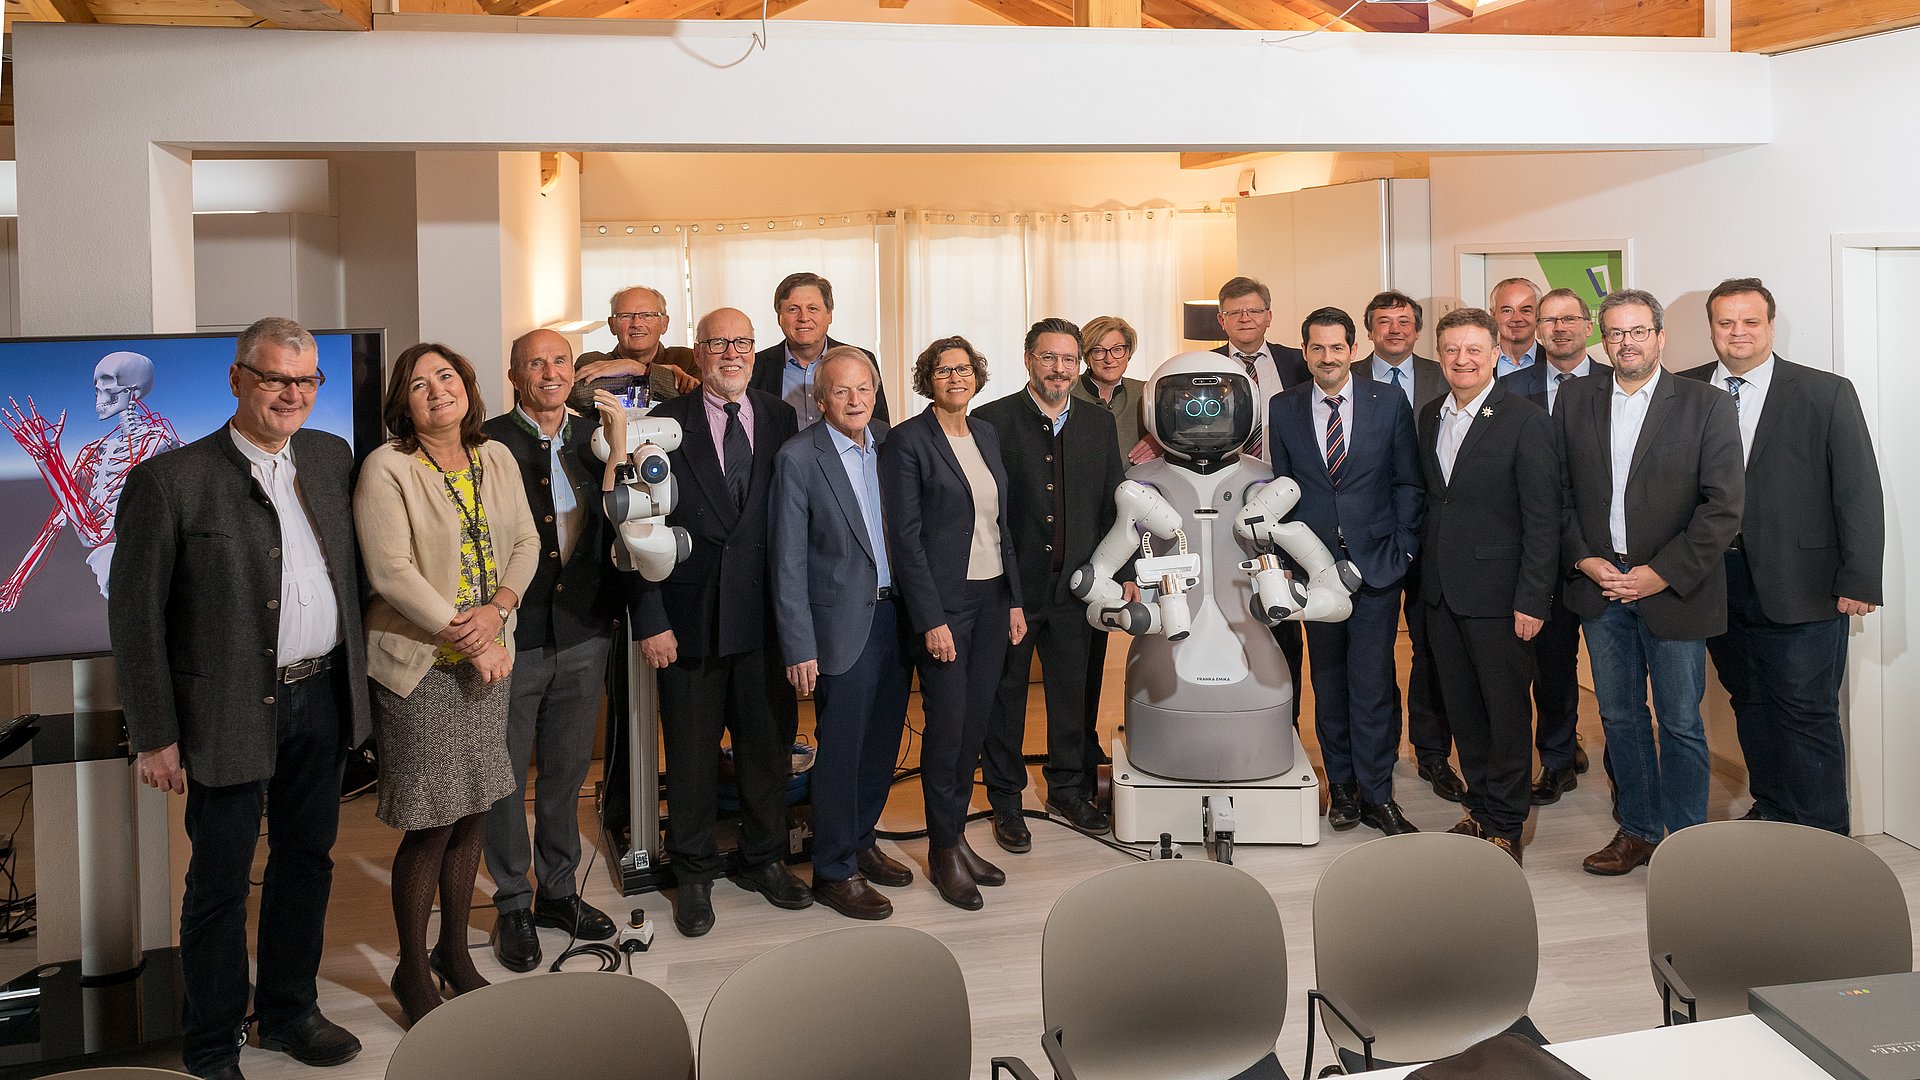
639, 506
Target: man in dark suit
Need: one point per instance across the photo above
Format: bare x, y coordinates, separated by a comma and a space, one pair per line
235, 617
1063, 464
1246, 314
803, 303
1489, 558
841, 630
1392, 322
1652, 498
1350, 446
1516, 308
1568, 324
1808, 556
707, 626
568, 618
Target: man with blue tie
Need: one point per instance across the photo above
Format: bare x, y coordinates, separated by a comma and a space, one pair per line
1567, 323
1349, 444
840, 628
1516, 307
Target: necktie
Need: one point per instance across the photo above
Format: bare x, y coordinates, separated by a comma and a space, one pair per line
1256, 442
1734, 383
1397, 383
1336, 439
1559, 383
736, 456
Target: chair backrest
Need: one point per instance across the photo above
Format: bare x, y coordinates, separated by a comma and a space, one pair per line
1741, 904
600, 1024
862, 1000
1431, 938
121, 1072
1166, 968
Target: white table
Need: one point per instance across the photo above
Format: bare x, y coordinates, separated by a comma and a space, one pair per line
1742, 1046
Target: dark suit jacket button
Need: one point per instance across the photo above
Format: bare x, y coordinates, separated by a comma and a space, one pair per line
266, 652
273, 553
548, 519
1049, 487
273, 605
268, 700
560, 586
1049, 547
553, 554
544, 481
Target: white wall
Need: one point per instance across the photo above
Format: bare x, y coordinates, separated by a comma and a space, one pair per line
376, 196
250, 265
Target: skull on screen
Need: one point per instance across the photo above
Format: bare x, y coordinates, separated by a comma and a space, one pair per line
120, 379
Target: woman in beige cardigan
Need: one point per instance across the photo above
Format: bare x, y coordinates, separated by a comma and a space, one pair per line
449, 545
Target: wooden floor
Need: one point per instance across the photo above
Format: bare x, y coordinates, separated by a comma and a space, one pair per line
1593, 967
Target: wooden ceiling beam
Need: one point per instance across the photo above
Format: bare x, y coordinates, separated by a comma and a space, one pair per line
1323, 13
1388, 18
1216, 160
73, 11
1775, 26
1590, 18
1175, 15
1109, 13
314, 14
1029, 12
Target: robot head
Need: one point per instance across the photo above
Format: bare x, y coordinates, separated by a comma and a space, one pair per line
120, 379
1201, 407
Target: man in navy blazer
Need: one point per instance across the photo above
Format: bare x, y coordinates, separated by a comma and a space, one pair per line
1566, 324
708, 628
841, 630
1349, 444
1808, 557
803, 303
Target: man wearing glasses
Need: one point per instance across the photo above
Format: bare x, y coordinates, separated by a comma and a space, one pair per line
639, 319
1566, 324
235, 616
1058, 514
709, 628
803, 304
1654, 488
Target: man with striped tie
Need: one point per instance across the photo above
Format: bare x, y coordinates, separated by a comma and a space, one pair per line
1349, 444
1246, 313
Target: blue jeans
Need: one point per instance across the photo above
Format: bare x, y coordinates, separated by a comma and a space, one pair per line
1665, 792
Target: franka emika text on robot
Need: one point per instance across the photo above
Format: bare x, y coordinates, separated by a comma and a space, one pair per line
1208, 752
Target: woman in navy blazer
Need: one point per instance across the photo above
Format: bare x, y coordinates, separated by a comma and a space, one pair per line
941, 482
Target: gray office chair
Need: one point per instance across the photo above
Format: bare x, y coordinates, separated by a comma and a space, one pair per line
1160, 969
881, 1001
1423, 944
600, 1024
120, 1072
1738, 904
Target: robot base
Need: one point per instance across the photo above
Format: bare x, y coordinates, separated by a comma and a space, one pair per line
1283, 809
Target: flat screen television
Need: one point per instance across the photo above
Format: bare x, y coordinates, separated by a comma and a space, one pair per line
79, 412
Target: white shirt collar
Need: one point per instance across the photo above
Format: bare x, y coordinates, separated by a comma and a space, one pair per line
1259, 353
1759, 378
1473, 407
1346, 392
1646, 388
256, 455
1584, 367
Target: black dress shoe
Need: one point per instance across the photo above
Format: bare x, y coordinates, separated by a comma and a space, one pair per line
1386, 817
948, 872
980, 870
1554, 783
575, 916
1343, 806
853, 898
1579, 753
1466, 826
1010, 831
1446, 783
514, 942
1080, 814
774, 881
880, 869
693, 908
312, 1040
223, 1072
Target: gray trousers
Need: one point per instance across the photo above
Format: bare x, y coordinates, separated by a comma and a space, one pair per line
556, 702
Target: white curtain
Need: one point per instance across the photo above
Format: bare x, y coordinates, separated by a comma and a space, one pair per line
1086, 263
739, 269
614, 261
963, 274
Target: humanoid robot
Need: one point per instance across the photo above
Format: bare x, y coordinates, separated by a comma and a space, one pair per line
1208, 752
639, 504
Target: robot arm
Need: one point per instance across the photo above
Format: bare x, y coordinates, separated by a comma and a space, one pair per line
1139, 507
1278, 597
639, 503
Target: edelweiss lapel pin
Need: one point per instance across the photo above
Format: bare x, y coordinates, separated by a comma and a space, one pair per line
1487, 412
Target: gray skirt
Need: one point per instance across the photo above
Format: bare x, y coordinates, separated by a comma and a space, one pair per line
442, 748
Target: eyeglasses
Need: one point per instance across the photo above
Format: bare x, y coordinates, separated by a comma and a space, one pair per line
955, 372
720, 344
1244, 313
275, 384
1637, 334
1118, 352
1053, 359
1570, 320
631, 316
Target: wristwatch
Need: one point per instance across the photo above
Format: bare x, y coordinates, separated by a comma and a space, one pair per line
503, 613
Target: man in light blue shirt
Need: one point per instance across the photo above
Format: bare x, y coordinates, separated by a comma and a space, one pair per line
803, 304
1516, 307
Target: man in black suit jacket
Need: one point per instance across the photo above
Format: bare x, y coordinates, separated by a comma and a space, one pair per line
1392, 322
1063, 463
568, 618
1809, 555
1489, 558
1567, 323
1515, 304
709, 627
803, 303
244, 697
1350, 446
1653, 493
1246, 314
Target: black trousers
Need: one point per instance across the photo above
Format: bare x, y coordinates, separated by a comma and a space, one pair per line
857, 718
301, 801
1484, 672
957, 699
1556, 687
1427, 727
1292, 644
700, 699
1096, 681
1060, 633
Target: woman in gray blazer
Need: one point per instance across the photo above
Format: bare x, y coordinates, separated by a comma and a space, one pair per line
449, 546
